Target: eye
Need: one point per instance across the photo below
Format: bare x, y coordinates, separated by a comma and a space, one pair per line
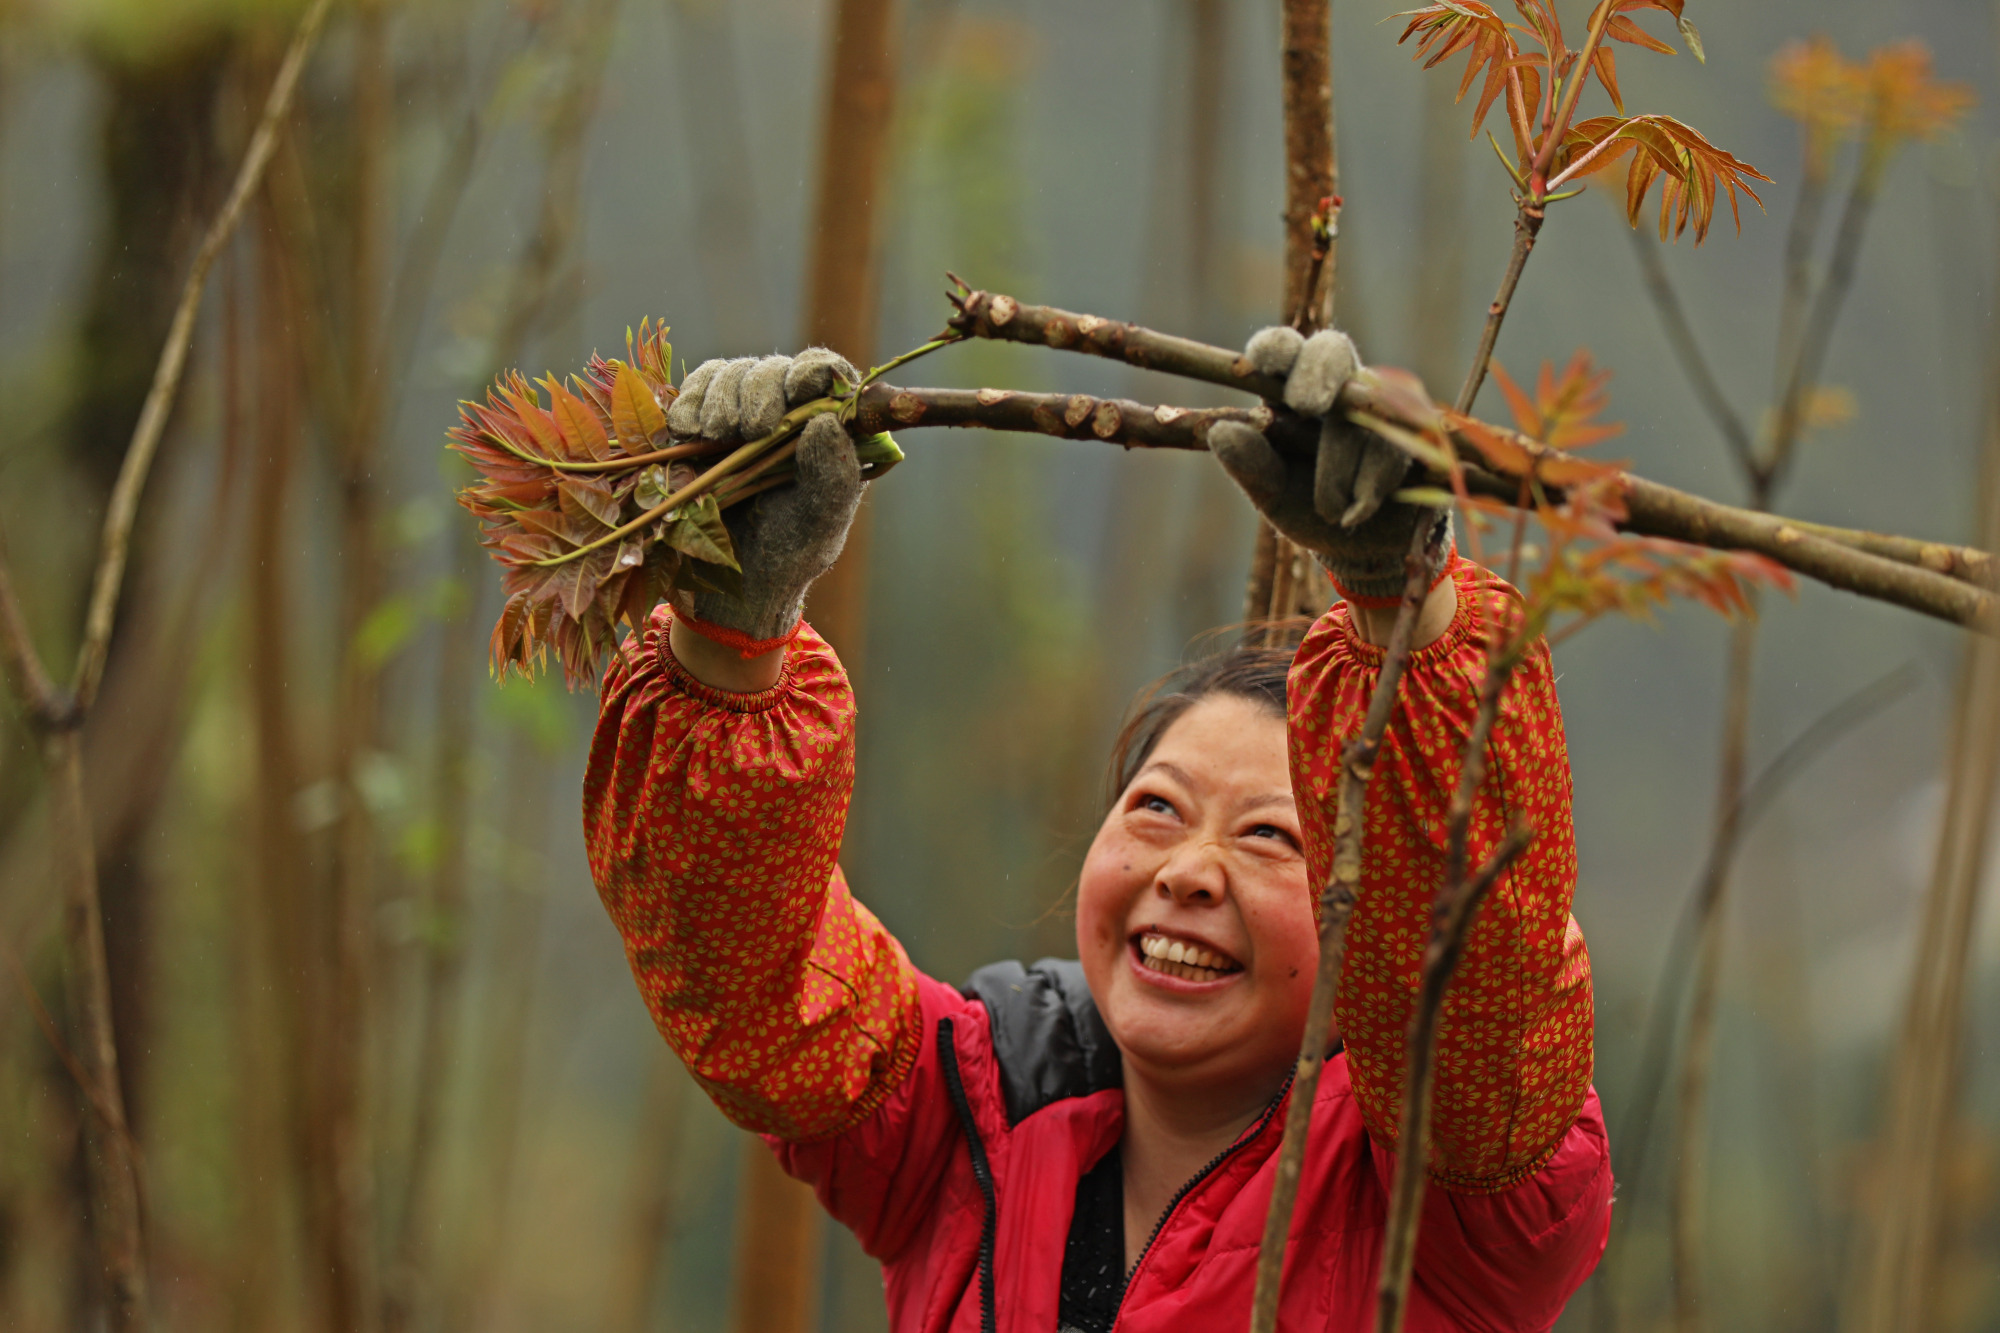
1274, 833
1159, 805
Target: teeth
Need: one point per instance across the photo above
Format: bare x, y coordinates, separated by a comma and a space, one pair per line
1177, 958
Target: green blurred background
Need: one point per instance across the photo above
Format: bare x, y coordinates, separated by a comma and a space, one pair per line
1018, 591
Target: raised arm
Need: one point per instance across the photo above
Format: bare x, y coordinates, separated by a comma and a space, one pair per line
714, 809
1520, 1204
1514, 1042
713, 821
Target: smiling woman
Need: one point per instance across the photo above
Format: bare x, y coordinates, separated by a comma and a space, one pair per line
1085, 1144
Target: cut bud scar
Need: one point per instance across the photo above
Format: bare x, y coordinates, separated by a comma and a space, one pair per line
1178, 958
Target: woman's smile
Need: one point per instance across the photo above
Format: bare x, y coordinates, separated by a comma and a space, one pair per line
1180, 963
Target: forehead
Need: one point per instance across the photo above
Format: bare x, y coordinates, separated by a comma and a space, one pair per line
1224, 736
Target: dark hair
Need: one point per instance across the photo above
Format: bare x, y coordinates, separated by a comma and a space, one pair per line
1252, 671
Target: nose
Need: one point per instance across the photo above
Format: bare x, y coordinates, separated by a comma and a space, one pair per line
1194, 875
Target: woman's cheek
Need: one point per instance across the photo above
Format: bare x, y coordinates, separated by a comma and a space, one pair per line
1102, 893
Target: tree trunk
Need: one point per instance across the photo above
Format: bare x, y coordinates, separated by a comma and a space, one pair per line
778, 1247
1284, 581
843, 286
343, 1108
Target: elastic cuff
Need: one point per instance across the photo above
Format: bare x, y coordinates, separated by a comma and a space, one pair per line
745, 646
1381, 601
1384, 603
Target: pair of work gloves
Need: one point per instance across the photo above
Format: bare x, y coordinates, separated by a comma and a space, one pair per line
1336, 502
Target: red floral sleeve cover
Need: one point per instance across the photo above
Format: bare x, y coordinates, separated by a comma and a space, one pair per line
1514, 1043
713, 821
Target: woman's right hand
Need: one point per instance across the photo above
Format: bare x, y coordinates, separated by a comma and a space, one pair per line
1340, 504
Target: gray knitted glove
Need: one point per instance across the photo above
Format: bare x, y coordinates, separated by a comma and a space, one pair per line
791, 534
1338, 507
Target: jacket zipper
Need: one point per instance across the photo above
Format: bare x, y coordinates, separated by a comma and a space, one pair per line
982, 1172
1242, 1140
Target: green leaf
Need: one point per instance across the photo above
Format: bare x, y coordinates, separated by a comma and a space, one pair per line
696, 530
1692, 36
634, 413
878, 452
653, 488
700, 576
1430, 497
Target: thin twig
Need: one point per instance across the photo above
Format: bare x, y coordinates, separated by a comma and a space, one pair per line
1687, 350
112, 1164
1640, 1111
1817, 338
1798, 267
124, 505
1527, 226
1452, 920
1357, 768
46, 706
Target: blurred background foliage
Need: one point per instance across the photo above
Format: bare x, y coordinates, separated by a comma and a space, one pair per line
306, 603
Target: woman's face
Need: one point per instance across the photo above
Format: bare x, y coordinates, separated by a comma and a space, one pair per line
1194, 917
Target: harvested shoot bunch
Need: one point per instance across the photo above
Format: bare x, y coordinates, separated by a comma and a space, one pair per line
595, 514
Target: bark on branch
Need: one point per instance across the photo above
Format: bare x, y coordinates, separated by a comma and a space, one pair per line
1947, 582
1899, 570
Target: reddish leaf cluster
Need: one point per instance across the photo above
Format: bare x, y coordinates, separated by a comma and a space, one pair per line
1591, 569
569, 500
1892, 97
1588, 568
1562, 412
1550, 150
1693, 171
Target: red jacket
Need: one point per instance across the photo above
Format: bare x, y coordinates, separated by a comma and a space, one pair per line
948, 1128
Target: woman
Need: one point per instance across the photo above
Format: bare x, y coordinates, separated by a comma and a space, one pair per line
1075, 1145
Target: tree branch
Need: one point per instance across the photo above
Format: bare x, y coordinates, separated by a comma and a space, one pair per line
1527, 226
1068, 416
46, 706
1934, 579
1898, 570
124, 505
112, 1167
1641, 1109
1816, 339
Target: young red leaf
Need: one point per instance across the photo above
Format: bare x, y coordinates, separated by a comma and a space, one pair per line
1694, 170
587, 496
541, 427
582, 430
635, 413
1445, 29
1905, 102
